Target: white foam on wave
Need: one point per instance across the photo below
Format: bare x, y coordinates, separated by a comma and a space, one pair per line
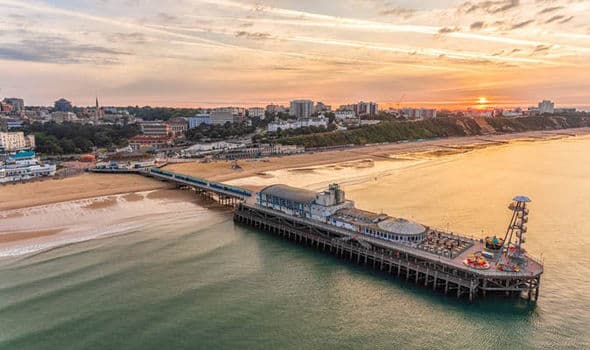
36, 245
79, 221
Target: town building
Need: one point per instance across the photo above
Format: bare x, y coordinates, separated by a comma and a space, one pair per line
275, 109
369, 109
546, 107
419, 113
296, 124
348, 108
256, 112
301, 108
62, 105
155, 129
16, 141
260, 151
178, 126
23, 166
5, 107
221, 117
198, 119
320, 107
203, 149
18, 104
145, 142
508, 113
7, 124
564, 110
61, 117
344, 114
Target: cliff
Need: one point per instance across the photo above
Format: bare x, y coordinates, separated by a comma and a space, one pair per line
392, 131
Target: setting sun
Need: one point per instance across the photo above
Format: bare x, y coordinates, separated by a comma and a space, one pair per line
482, 101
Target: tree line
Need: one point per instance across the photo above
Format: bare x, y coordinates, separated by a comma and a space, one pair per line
69, 138
394, 131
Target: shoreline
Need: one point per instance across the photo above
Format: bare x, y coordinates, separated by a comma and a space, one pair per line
21, 196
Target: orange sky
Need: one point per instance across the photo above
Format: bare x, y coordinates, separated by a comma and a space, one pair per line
444, 54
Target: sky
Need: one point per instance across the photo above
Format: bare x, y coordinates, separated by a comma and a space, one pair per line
204, 53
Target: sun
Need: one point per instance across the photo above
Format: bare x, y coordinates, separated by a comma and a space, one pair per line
482, 101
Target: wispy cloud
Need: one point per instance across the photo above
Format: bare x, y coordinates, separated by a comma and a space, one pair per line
550, 9
253, 36
522, 24
52, 49
492, 7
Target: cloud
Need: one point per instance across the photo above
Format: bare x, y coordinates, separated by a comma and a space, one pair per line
253, 35
134, 38
52, 49
541, 48
554, 18
477, 25
167, 17
490, 6
447, 30
522, 24
550, 9
399, 12
566, 20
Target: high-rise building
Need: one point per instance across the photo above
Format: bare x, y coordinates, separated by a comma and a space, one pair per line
18, 104
62, 105
546, 106
256, 112
367, 109
16, 141
301, 108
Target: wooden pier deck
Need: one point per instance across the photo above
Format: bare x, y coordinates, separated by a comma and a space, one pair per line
438, 272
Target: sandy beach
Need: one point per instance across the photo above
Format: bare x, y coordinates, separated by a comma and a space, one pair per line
16, 196
95, 185
222, 171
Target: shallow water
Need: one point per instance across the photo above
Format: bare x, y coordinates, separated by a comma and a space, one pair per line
189, 278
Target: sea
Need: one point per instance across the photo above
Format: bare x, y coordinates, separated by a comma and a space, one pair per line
165, 270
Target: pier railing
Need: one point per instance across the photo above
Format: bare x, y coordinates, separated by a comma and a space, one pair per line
188, 180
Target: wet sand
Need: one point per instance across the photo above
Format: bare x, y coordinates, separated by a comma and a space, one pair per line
97, 185
24, 235
15, 196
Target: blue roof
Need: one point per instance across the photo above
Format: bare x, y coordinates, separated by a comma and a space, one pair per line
522, 199
23, 155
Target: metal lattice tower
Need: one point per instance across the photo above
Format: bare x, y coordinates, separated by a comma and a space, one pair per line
512, 249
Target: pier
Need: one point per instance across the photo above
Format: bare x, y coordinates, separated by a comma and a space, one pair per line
225, 195
445, 275
398, 247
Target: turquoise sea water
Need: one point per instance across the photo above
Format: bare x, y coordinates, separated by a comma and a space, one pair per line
201, 282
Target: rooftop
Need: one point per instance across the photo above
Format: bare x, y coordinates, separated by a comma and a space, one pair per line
290, 193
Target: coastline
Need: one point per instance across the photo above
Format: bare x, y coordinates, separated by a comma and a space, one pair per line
19, 196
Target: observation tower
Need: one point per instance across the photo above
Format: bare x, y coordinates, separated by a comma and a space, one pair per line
512, 257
